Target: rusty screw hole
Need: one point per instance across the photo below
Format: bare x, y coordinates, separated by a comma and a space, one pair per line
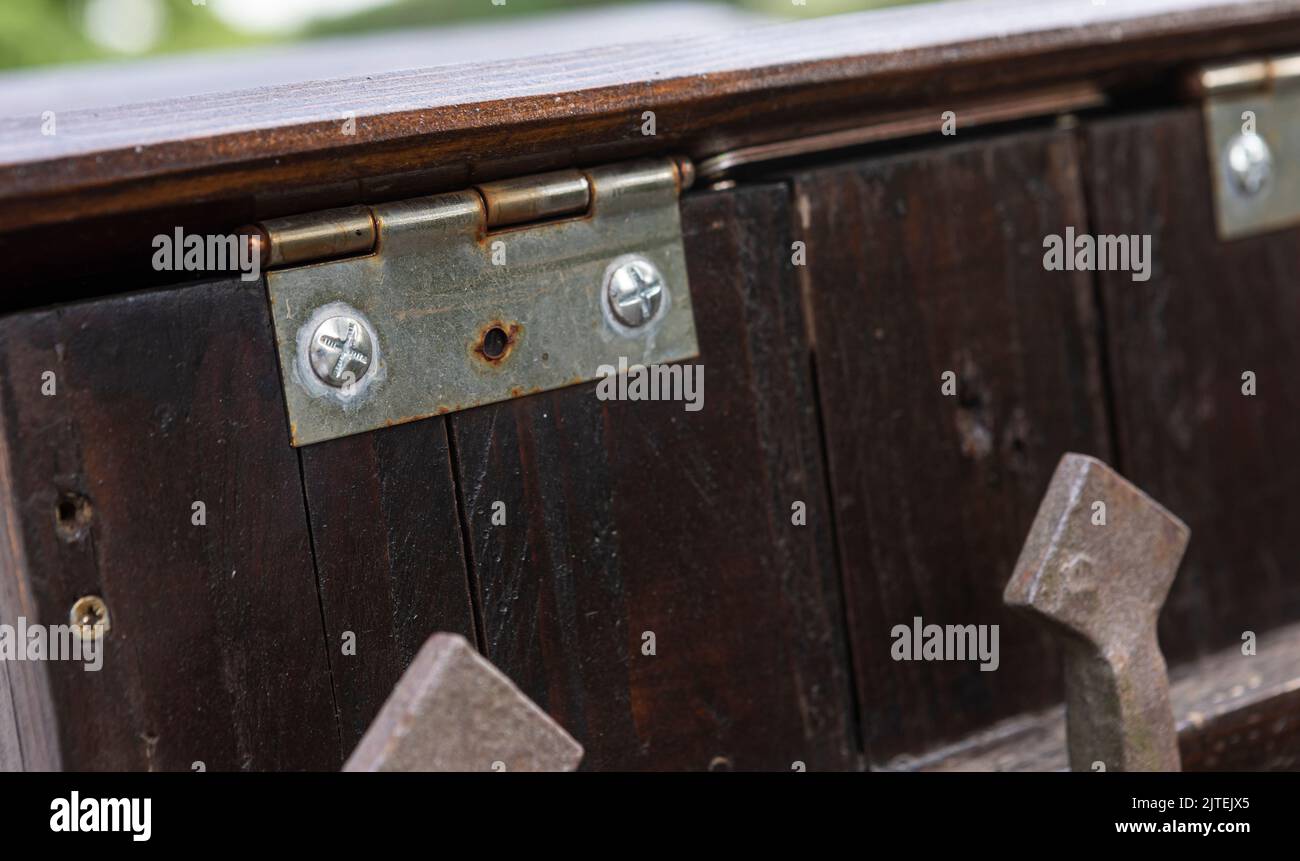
72, 516
494, 342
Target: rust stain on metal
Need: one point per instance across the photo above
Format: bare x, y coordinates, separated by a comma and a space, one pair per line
1096, 567
495, 341
389, 423
520, 391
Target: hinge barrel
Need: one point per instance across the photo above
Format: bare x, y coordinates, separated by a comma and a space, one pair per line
1251, 75
535, 198
316, 236
352, 231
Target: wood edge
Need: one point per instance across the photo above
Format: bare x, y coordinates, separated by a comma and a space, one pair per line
1212, 696
48, 190
27, 715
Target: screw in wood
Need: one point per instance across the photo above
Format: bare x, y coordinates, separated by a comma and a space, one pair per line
89, 617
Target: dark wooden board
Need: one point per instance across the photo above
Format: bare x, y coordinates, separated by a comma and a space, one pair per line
1234, 712
921, 263
215, 652
1227, 464
1239, 712
389, 554
710, 92
628, 517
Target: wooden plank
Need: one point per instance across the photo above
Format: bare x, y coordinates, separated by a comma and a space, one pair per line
1224, 462
918, 264
624, 518
710, 92
493, 38
28, 739
215, 652
1234, 712
389, 555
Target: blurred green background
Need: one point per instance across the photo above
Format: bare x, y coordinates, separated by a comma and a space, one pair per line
46, 32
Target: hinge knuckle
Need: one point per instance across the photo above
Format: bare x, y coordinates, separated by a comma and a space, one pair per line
515, 201
323, 235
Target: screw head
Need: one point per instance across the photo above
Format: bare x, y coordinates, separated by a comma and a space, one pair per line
635, 291
340, 351
1250, 163
89, 617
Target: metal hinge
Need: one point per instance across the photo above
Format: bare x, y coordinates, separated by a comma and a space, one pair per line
1253, 135
1057, 100
390, 313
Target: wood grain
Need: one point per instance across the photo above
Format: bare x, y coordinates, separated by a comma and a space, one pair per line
28, 738
422, 129
1225, 463
389, 556
918, 264
494, 37
1234, 712
631, 517
215, 651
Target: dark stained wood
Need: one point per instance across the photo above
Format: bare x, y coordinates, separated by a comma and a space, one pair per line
389, 555
1239, 712
216, 651
628, 517
1227, 464
1234, 712
710, 93
114, 254
922, 263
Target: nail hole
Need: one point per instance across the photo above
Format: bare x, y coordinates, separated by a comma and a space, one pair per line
72, 516
494, 342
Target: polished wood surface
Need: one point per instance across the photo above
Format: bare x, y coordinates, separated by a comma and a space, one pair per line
446, 126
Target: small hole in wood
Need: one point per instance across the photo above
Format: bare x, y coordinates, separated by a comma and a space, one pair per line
72, 516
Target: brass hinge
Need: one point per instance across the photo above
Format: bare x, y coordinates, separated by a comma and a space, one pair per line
389, 313
1253, 140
